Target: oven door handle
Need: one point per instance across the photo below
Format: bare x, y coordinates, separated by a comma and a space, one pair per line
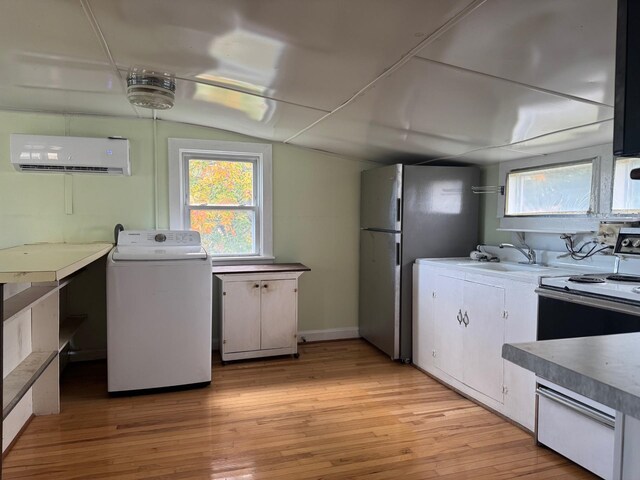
576, 297
576, 406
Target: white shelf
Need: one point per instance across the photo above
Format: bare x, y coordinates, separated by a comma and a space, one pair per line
22, 378
24, 300
68, 328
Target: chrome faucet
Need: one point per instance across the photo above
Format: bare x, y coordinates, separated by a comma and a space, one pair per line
529, 253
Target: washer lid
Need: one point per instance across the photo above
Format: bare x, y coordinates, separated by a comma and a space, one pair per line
160, 252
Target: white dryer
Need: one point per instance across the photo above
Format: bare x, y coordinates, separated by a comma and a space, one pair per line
158, 311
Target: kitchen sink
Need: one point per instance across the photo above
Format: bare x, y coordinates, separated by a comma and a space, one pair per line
506, 267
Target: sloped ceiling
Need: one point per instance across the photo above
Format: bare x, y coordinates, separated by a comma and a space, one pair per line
476, 81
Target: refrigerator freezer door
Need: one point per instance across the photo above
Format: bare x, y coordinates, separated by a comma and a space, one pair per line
380, 200
380, 290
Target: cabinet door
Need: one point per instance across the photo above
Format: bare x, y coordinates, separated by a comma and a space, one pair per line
483, 338
279, 321
449, 333
241, 316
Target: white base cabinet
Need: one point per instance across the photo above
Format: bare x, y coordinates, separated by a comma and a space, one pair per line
460, 322
470, 333
627, 443
259, 315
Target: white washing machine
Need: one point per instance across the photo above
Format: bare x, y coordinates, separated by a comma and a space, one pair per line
158, 311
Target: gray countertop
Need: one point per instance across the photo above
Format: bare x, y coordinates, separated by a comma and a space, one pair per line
604, 368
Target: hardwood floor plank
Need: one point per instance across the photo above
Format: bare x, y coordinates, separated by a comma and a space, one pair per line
342, 410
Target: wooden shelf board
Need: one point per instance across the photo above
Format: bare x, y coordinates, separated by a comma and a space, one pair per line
47, 262
22, 378
20, 302
68, 328
66, 281
14, 306
259, 268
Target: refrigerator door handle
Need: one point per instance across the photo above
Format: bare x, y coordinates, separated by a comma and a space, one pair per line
399, 210
398, 259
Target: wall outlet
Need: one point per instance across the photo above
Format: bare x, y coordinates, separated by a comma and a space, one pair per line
608, 231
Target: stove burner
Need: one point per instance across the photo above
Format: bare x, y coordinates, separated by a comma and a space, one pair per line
624, 278
586, 279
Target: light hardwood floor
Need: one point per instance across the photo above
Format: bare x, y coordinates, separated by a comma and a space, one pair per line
341, 411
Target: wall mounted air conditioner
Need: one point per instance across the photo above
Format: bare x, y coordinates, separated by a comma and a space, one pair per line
49, 154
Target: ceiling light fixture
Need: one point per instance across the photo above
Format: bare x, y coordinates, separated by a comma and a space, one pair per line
150, 89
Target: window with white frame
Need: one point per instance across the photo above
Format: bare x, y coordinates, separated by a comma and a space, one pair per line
563, 192
626, 192
223, 190
549, 193
563, 189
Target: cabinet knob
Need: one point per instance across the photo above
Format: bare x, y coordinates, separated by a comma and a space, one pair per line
265, 286
257, 285
465, 319
459, 317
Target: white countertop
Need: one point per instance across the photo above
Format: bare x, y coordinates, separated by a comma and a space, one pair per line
47, 262
510, 270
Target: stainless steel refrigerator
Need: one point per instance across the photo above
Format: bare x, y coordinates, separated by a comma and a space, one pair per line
408, 212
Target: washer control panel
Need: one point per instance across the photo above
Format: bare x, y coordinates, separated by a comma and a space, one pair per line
166, 238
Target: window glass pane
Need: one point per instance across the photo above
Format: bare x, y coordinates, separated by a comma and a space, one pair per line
561, 190
220, 182
225, 232
626, 192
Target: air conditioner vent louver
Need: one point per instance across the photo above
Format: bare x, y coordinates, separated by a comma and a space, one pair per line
58, 168
49, 154
61, 168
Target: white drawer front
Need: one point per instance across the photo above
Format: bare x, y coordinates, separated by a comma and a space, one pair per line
581, 398
586, 441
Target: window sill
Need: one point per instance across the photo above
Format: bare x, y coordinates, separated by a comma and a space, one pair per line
551, 224
221, 261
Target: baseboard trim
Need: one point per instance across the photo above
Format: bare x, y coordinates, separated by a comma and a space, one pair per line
328, 334
303, 337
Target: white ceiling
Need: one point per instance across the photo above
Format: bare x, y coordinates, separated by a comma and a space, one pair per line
478, 81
